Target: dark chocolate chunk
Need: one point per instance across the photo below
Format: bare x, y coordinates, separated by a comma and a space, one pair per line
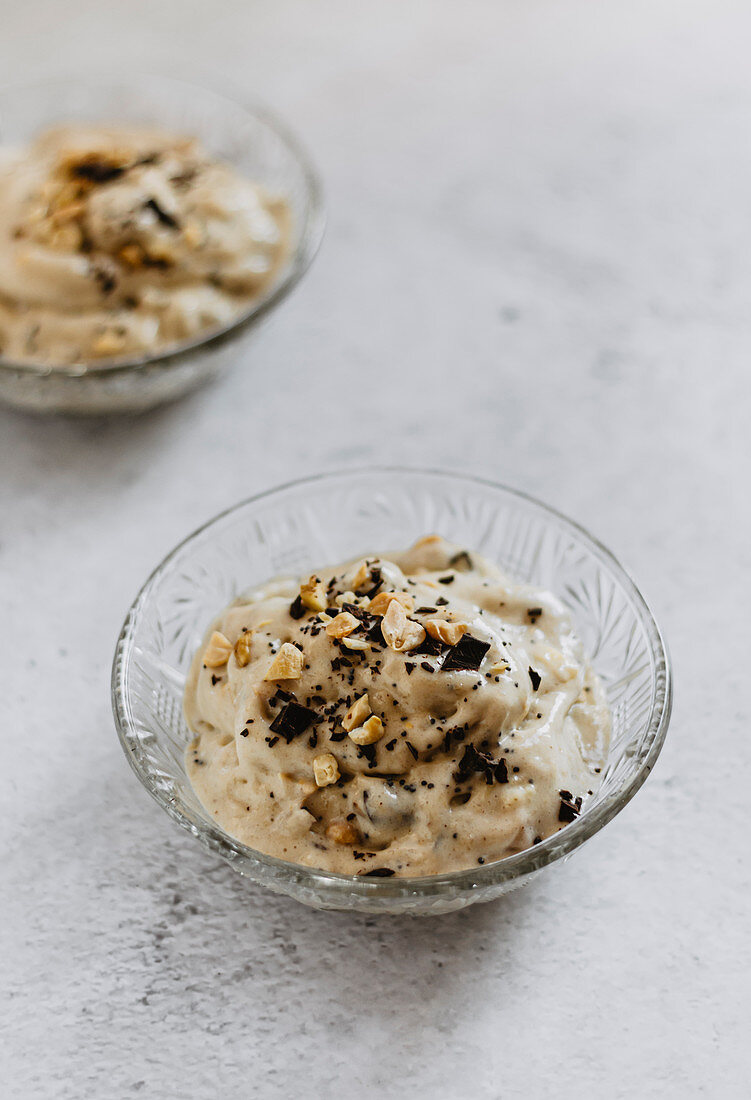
534, 613
96, 171
429, 647
379, 872
409, 667
570, 807
426, 610
446, 580
474, 762
442, 601
535, 678
466, 655
293, 720
297, 608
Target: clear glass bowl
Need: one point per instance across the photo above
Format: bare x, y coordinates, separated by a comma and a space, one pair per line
251, 139
338, 516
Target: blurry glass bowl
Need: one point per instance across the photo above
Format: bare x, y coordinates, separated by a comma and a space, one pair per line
251, 139
327, 519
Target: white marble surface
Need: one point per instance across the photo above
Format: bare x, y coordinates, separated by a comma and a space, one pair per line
537, 268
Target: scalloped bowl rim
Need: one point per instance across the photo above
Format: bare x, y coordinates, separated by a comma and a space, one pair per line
558, 846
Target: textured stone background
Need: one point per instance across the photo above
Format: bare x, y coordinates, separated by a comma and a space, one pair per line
536, 268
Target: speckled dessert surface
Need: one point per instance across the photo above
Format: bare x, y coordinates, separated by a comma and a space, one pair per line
411, 713
536, 270
119, 242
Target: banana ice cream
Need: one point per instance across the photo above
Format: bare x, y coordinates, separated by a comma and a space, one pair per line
407, 714
118, 243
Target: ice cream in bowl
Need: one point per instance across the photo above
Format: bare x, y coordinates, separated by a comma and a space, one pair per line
391, 690
142, 229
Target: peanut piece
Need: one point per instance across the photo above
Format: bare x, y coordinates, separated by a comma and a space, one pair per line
357, 713
369, 732
242, 648
380, 603
287, 665
342, 625
313, 594
343, 832
217, 651
325, 769
443, 631
400, 633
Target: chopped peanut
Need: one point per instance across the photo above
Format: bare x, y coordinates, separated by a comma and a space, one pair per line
369, 732
357, 713
358, 644
380, 603
325, 769
400, 633
362, 576
448, 633
342, 625
217, 651
343, 832
242, 648
287, 665
313, 594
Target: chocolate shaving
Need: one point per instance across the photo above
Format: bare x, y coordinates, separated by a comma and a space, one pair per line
163, 215
376, 581
412, 749
297, 608
446, 580
535, 678
379, 872
474, 762
467, 655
